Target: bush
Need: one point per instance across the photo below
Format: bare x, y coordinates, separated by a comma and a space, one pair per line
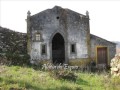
64, 74
17, 59
25, 59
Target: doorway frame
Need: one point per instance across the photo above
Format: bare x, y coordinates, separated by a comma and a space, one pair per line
65, 46
96, 53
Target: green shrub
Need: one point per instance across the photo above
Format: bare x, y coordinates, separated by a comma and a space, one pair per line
17, 59
25, 59
63, 74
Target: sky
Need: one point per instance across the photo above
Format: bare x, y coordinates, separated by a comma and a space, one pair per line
104, 14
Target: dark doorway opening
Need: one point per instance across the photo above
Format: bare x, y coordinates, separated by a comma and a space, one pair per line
102, 55
58, 49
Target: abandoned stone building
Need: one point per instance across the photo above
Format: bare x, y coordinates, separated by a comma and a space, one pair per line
61, 35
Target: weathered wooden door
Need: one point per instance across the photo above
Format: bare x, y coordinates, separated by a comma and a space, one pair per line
102, 56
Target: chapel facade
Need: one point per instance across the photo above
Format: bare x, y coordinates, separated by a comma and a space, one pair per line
60, 35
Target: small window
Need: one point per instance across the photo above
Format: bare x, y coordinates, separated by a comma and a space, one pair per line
73, 48
37, 37
44, 49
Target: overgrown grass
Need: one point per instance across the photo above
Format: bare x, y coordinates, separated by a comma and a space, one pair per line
27, 78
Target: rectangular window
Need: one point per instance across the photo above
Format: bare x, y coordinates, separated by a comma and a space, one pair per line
73, 48
37, 37
43, 49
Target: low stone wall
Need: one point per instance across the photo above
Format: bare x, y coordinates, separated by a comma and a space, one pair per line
79, 62
115, 65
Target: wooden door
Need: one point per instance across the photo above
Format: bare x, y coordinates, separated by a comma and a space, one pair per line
102, 56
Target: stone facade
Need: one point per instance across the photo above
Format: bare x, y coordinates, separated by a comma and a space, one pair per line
64, 29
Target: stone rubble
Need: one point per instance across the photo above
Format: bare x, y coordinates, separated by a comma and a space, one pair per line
115, 65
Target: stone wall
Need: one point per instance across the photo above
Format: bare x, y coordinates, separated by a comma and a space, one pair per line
12, 42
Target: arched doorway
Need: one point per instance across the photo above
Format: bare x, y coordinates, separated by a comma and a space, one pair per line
58, 49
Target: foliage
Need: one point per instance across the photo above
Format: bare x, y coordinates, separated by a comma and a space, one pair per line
64, 74
17, 59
